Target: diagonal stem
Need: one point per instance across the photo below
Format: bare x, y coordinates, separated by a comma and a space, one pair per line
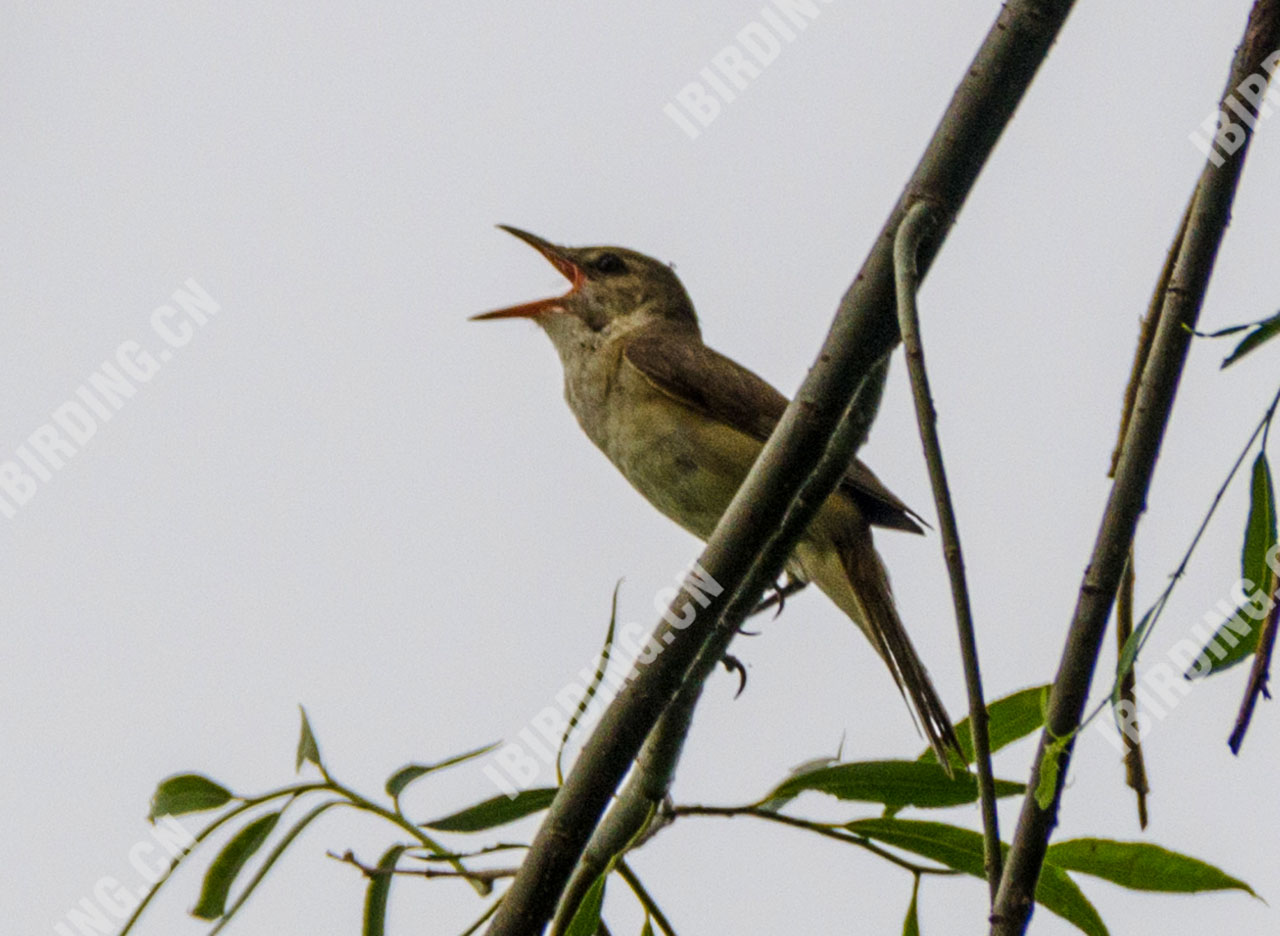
1206, 225
918, 224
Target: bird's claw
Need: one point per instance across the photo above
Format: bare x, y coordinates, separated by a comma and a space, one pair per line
734, 665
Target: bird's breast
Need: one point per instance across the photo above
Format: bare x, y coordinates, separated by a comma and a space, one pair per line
685, 463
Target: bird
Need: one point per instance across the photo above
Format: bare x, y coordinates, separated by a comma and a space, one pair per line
684, 424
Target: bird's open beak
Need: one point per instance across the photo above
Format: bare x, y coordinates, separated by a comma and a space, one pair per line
570, 270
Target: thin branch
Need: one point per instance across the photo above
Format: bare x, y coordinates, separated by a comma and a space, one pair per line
484, 918
1261, 669
1210, 211
918, 224
484, 875
863, 332
642, 895
1146, 334
827, 830
1135, 770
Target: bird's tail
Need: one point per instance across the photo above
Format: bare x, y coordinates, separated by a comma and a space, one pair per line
860, 586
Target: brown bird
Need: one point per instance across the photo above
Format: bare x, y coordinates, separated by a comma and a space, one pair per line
684, 425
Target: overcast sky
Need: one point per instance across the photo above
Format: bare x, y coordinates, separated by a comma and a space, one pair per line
336, 491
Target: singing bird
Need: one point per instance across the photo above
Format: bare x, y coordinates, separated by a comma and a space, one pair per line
684, 425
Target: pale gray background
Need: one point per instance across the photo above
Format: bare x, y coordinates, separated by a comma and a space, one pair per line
343, 494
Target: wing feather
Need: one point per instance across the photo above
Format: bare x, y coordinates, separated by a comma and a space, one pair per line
705, 380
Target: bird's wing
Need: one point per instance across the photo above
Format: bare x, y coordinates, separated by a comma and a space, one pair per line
707, 381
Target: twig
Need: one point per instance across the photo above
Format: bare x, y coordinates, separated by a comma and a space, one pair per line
1261, 669
1210, 211
821, 828
485, 875
918, 224
1135, 771
1146, 334
654, 911
1134, 767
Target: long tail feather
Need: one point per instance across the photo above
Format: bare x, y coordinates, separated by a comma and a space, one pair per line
859, 584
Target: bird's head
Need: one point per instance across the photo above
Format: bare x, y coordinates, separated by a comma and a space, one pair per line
611, 289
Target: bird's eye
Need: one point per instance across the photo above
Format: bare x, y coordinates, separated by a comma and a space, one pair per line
609, 263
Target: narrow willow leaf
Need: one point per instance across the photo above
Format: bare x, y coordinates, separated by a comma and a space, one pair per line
1237, 638
1260, 531
1141, 866
1008, 719
375, 898
1266, 330
229, 863
962, 850
586, 919
894, 783
648, 926
267, 863
187, 793
1049, 766
1234, 641
911, 925
308, 749
495, 812
411, 772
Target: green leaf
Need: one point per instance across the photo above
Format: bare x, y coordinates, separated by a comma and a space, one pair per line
894, 783
375, 899
411, 772
495, 812
1141, 866
1237, 637
267, 863
961, 849
1260, 531
911, 925
1008, 719
187, 793
1049, 766
586, 919
648, 926
308, 749
1265, 331
229, 863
